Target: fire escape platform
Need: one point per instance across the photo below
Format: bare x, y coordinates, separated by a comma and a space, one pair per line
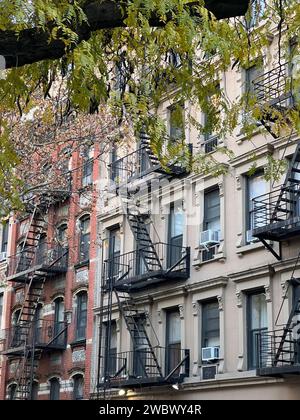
142, 382
41, 270
19, 351
279, 371
278, 231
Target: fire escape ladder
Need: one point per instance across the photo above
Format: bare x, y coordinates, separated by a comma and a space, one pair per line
289, 194
145, 145
142, 345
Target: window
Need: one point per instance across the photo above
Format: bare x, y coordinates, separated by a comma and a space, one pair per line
111, 356
17, 332
114, 164
176, 122
78, 383
210, 324
12, 391
257, 322
81, 318
211, 222
41, 252
59, 316
1, 308
251, 74
114, 252
4, 241
62, 234
176, 220
54, 389
87, 169
211, 116
35, 390
173, 340
84, 243
256, 186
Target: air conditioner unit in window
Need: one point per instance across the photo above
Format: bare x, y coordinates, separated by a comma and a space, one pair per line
3, 256
209, 237
210, 353
249, 237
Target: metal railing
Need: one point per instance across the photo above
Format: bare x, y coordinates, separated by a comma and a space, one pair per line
56, 258
173, 363
271, 352
274, 87
129, 167
41, 333
279, 205
210, 144
135, 264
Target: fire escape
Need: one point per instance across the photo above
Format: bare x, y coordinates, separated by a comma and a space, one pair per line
277, 218
151, 264
31, 267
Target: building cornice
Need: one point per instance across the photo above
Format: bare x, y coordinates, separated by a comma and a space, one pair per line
252, 273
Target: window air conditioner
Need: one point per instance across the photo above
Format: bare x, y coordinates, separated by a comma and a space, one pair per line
209, 237
3, 256
249, 237
210, 353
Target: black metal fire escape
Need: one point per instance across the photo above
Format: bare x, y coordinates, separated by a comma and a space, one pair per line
123, 275
28, 268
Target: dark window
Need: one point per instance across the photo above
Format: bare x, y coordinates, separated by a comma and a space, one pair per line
211, 116
256, 186
211, 222
17, 332
114, 164
39, 324
140, 354
173, 340
35, 390
114, 253
41, 252
176, 122
12, 391
54, 389
62, 234
176, 220
210, 324
87, 169
4, 241
111, 355
257, 322
251, 74
59, 324
1, 308
84, 242
81, 318
78, 387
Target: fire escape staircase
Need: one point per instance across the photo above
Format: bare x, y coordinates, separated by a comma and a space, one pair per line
140, 339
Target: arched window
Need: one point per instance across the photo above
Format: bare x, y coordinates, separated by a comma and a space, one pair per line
35, 390
12, 391
41, 252
84, 238
78, 387
54, 389
81, 316
87, 168
59, 324
16, 329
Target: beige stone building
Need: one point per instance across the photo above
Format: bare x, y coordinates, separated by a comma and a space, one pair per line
193, 296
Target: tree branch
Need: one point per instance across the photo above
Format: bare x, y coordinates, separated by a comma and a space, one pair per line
32, 45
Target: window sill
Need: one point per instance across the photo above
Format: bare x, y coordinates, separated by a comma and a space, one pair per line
218, 257
250, 247
82, 264
78, 343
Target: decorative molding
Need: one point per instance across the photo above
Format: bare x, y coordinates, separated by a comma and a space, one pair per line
159, 318
238, 180
239, 297
221, 188
181, 310
284, 288
220, 302
196, 308
251, 273
268, 293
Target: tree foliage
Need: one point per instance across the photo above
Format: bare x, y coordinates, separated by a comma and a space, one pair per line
157, 50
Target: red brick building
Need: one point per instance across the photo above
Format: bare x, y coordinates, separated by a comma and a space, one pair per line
49, 295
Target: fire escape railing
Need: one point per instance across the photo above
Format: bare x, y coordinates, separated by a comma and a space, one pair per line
274, 87
130, 266
43, 332
273, 353
23, 260
279, 205
137, 366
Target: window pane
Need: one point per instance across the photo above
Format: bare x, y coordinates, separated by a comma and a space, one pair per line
210, 324
176, 221
81, 316
212, 210
78, 387
258, 311
174, 327
54, 389
4, 241
176, 122
257, 186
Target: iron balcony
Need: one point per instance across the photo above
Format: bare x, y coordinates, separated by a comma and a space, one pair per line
135, 270
136, 368
47, 262
278, 352
41, 335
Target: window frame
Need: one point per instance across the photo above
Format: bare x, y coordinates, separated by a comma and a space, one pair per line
204, 319
84, 238
80, 328
75, 386
248, 211
87, 167
54, 382
173, 349
4, 237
